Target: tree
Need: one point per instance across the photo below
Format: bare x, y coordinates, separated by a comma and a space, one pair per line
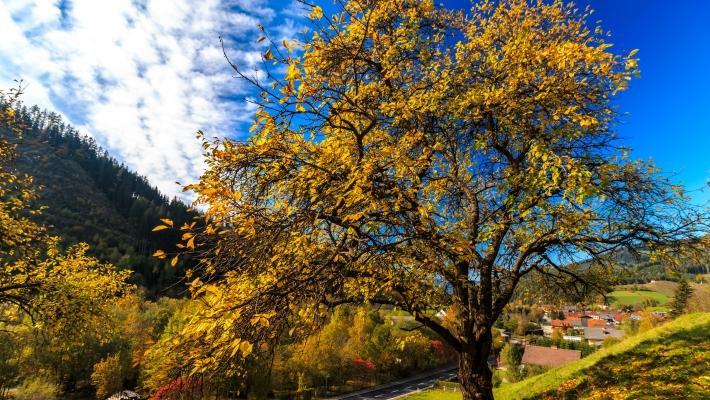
680, 299
19, 236
107, 377
512, 355
62, 295
424, 158
557, 336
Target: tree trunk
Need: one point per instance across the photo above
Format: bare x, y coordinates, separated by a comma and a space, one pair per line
475, 376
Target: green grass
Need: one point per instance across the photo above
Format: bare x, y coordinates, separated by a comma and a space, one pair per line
435, 395
670, 361
699, 301
632, 298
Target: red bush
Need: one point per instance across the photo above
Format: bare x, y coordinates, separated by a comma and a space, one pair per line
364, 364
182, 388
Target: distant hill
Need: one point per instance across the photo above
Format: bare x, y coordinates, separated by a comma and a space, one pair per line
91, 197
669, 362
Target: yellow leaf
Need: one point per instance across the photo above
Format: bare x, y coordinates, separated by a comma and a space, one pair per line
236, 344
160, 228
174, 261
316, 13
167, 221
287, 45
246, 348
159, 253
292, 72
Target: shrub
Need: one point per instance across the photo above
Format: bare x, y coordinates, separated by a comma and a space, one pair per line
37, 389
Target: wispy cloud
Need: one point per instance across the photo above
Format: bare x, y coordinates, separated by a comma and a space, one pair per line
140, 76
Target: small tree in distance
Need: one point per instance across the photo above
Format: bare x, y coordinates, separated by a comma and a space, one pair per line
680, 298
424, 158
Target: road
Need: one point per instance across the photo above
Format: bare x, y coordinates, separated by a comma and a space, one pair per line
400, 388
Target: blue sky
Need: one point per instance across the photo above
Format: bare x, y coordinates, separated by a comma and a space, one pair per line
669, 106
142, 76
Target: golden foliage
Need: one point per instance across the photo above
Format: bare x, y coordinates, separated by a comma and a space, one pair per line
422, 157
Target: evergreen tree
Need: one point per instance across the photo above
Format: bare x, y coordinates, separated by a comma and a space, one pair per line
93, 198
680, 299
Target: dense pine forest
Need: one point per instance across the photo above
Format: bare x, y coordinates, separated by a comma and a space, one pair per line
91, 197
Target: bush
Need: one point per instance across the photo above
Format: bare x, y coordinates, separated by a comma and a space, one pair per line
181, 388
512, 354
37, 389
532, 370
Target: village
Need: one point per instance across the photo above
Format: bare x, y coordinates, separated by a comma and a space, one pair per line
550, 337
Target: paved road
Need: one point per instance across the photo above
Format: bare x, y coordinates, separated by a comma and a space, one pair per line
401, 388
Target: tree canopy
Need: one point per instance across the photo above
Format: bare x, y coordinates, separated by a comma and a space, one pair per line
427, 158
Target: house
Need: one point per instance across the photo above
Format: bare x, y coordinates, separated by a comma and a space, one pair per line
596, 336
576, 322
560, 324
535, 331
659, 313
572, 338
125, 395
548, 356
581, 314
597, 323
503, 333
584, 320
613, 317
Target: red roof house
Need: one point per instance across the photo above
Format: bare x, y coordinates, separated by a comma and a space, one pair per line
561, 324
596, 323
549, 357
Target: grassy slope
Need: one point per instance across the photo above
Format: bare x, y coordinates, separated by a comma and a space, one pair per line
671, 361
668, 362
625, 297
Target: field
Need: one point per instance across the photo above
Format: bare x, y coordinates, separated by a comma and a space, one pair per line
699, 301
661, 291
671, 361
636, 297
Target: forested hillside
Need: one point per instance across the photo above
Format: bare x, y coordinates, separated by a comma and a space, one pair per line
91, 197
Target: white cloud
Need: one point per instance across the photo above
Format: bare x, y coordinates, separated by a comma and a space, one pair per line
140, 76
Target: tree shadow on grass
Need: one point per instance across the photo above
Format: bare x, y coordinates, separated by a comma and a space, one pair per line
673, 367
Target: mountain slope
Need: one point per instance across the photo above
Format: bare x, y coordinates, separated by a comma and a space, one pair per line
90, 197
670, 362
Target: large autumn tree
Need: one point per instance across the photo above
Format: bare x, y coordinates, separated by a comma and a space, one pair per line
425, 158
